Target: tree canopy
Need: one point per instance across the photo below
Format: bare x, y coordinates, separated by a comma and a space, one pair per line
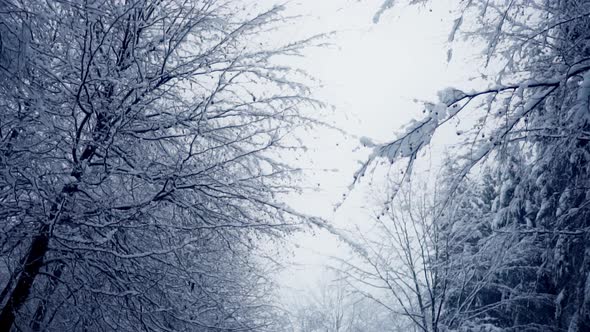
139, 169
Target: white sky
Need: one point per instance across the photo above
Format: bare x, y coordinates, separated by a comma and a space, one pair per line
371, 76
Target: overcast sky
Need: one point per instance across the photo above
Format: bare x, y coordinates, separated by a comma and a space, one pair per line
371, 76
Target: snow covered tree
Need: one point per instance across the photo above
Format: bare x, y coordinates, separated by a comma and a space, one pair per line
400, 263
530, 126
138, 169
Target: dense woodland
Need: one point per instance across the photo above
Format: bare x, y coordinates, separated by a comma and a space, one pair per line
142, 178
501, 241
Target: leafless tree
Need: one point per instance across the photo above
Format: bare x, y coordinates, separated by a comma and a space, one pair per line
333, 305
138, 169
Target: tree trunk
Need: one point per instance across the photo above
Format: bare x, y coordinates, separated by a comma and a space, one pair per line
30, 271
40, 243
37, 324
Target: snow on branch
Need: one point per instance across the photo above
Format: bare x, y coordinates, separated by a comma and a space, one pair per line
418, 133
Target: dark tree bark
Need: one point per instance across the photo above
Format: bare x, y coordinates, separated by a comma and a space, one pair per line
25, 280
